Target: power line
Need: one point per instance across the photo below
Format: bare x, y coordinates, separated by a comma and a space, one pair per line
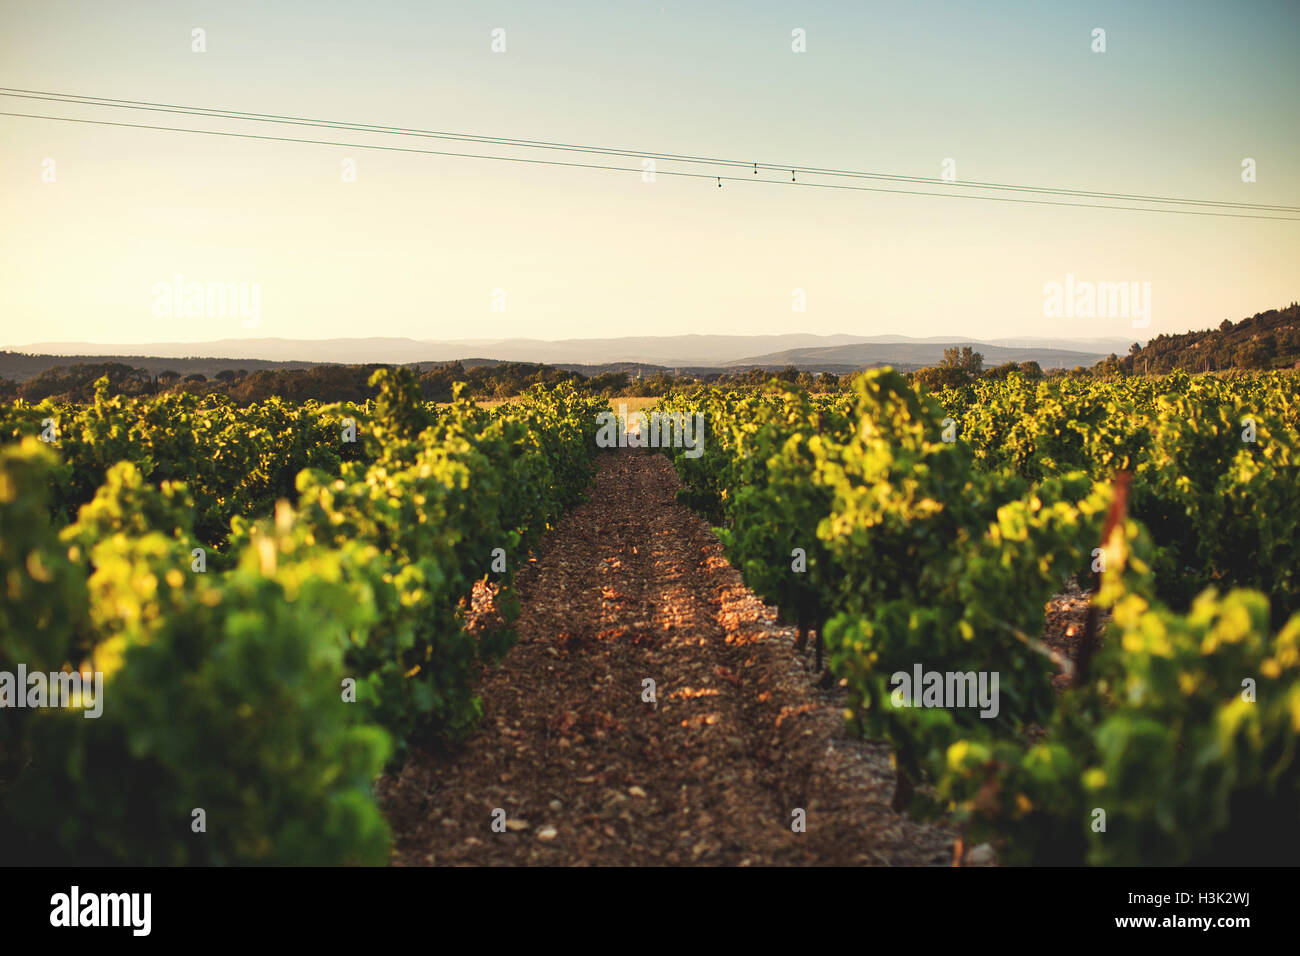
146, 105
626, 169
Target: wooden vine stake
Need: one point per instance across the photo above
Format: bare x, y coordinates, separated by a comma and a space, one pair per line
1091, 640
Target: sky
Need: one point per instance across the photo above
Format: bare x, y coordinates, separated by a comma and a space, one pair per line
437, 247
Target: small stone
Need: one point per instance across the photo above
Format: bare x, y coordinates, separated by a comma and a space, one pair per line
980, 855
636, 791
547, 834
516, 825
556, 805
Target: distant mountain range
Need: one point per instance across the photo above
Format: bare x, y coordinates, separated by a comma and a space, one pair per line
816, 352
914, 354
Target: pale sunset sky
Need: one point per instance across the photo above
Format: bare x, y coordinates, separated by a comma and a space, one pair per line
1012, 91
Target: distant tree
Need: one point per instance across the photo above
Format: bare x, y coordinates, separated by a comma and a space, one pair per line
960, 366
1225, 325
196, 377
609, 383
999, 372
226, 375
1113, 365
1251, 356
75, 383
964, 359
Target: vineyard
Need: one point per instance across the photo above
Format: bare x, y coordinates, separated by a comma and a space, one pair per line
284, 600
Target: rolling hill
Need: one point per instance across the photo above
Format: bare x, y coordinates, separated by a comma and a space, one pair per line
907, 356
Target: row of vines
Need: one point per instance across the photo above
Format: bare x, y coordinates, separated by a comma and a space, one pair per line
275, 597
919, 533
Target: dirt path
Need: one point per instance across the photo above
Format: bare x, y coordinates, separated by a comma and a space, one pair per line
632, 586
